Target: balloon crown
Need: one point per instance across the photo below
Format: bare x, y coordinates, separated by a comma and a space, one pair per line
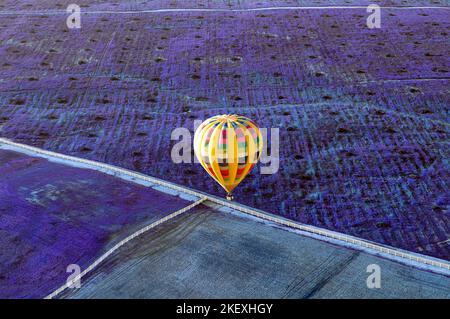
227, 117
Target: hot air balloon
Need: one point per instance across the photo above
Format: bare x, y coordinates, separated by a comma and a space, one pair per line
228, 146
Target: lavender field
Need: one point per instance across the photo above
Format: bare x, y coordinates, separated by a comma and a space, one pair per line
363, 113
54, 215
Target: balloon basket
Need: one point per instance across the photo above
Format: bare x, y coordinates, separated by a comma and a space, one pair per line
229, 197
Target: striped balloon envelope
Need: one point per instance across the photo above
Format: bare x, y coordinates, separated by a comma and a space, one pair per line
228, 147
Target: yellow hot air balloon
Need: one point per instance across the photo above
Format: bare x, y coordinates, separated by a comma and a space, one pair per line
228, 146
